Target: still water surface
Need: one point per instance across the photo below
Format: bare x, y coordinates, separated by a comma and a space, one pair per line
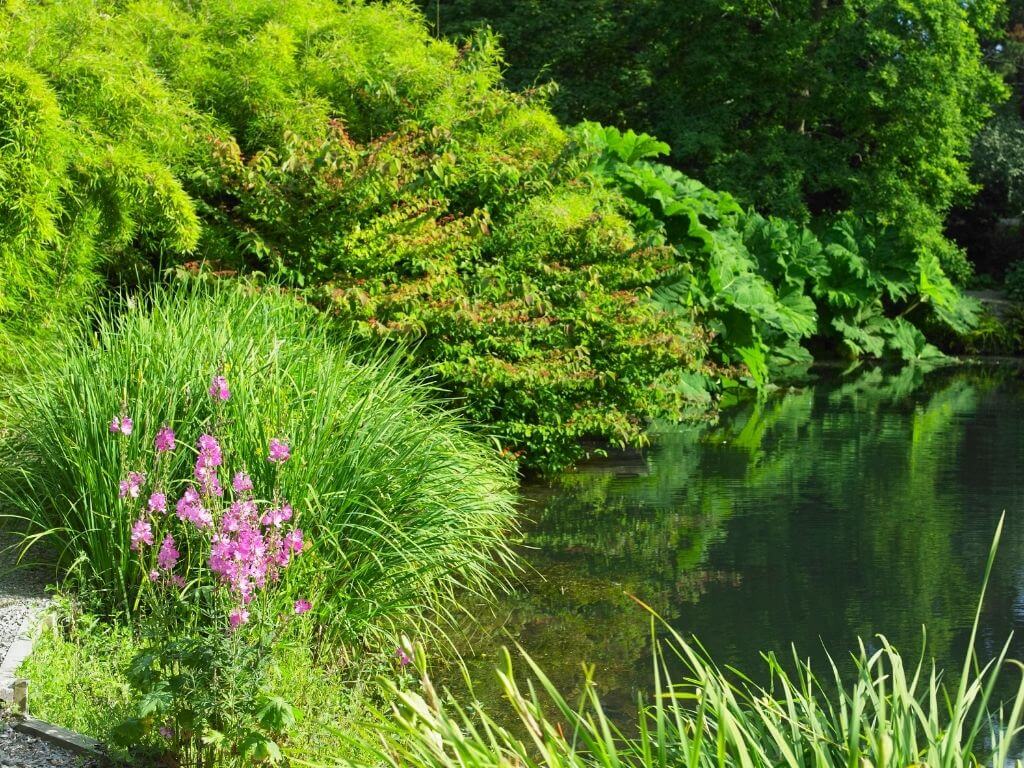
853, 506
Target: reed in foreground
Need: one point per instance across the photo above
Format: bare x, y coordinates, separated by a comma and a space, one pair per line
402, 506
888, 715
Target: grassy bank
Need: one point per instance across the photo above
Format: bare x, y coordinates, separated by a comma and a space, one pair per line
891, 711
77, 674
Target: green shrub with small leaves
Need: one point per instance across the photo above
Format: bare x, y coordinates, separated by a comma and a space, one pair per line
339, 150
85, 139
1014, 281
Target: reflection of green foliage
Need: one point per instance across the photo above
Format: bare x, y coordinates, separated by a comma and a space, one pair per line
568, 619
825, 512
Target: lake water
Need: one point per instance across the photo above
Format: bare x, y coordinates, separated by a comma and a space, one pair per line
853, 506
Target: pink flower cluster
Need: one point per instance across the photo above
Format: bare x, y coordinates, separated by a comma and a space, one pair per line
132, 486
142, 533
157, 502
241, 482
121, 424
248, 550
219, 388
279, 451
164, 441
190, 509
207, 461
249, 545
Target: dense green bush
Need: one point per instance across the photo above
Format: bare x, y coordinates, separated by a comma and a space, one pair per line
535, 318
1014, 281
43, 275
338, 149
79, 185
401, 505
802, 109
766, 287
988, 225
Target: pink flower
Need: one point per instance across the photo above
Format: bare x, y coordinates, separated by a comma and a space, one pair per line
121, 424
293, 540
219, 388
240, 515
238, 617
210, 483
277, 515
154, 575
241, 482
164, 440
302, 606
189, 499
279, 451
209, 448
207, 461
177, 580
157, 502
190, 509
132, 486
403, 658
166, 732
142, 533
168, 556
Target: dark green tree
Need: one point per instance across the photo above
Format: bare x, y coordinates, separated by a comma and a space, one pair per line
989, 226
804, 109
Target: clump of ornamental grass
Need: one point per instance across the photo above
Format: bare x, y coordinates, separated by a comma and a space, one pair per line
404, 505
889, 715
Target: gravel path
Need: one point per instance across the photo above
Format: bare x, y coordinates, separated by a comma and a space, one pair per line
17, 750
22, 591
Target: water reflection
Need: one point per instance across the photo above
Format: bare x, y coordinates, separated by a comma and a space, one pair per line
854, 506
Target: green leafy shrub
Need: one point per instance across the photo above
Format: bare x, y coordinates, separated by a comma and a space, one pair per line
402, 504
1014, 281
340, 150
766, 287
537, 321
78, 667
1000, 335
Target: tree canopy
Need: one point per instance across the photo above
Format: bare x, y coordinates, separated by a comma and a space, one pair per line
803, 109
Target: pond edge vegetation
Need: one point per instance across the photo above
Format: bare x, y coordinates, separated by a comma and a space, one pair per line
314, 227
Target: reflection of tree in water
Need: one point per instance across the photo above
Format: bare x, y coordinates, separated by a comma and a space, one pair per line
813, 517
